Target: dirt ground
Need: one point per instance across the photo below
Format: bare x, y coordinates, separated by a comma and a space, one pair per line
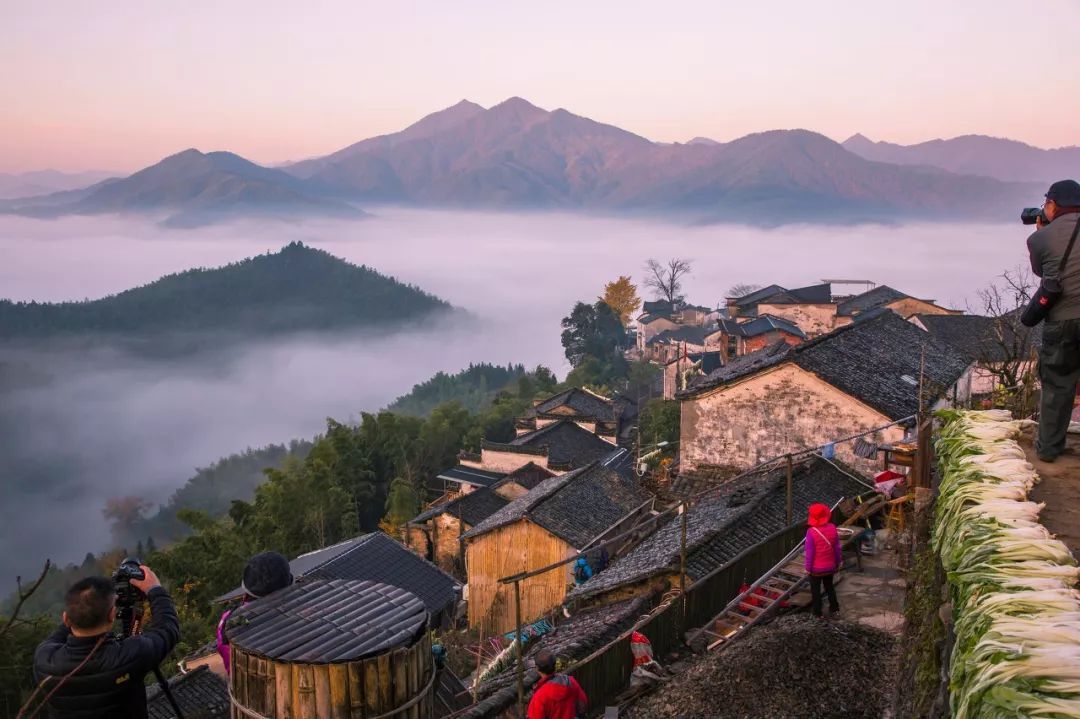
1060, 490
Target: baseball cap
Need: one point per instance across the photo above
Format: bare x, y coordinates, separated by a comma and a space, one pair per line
1065, 193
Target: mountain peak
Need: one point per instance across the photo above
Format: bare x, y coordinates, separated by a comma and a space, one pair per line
858, 139
519, 108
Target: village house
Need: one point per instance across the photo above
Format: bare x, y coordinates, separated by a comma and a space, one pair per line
659, 316
992, 343
378, 558
559, 447
607, 417
886, 297
435, 533
788, 398
816, 310
720, 525
559, 517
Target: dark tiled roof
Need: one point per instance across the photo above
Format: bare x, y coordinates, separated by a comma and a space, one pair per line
767, 323
582, 402
470, 475
650, 318
473, 507
983, 339
726, 522
876, 361
576, 506
325, 621
589, 505
567, 444
757, 295
528, 476
378, 558
742, 366
200, 694
688, 333
880, 295
653, 307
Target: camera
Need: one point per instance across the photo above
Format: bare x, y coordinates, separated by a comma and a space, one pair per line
1031, 215
127, 595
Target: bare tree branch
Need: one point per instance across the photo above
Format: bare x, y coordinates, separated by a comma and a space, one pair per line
666, 280
23, 596
1014, 344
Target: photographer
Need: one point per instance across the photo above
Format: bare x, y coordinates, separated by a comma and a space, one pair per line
1059, 358
84, 670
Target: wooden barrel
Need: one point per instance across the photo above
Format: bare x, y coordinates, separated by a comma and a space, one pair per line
332, 649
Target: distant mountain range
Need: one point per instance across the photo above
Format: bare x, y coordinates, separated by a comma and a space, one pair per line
996, 157
516, 155
192, 188
296, 289
43, 182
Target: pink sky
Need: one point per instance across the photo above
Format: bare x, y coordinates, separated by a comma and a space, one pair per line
117, 85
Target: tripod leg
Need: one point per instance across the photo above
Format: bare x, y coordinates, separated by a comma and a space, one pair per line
168, 692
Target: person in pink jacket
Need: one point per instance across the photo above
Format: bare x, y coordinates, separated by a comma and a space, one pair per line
823, 557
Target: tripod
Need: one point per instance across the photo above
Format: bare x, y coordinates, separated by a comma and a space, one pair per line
130, 625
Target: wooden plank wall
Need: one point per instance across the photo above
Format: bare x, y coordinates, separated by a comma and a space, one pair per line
517, 547
353, 690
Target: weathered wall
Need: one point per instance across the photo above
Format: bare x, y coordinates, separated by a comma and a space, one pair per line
511, 490
774, 412
508, 550
812, 319
908, 306
752, 344
647, 332
495, 461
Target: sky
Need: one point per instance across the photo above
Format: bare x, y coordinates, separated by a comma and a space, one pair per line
119, 85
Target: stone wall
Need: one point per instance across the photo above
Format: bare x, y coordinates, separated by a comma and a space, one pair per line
771, 413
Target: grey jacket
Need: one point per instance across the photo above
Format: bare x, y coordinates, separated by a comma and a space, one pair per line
1046, 246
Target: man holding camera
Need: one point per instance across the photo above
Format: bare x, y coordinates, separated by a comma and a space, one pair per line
85, 671
1059, 358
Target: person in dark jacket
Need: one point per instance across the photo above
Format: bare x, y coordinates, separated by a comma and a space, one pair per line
1059, 357
264, 574
557, 696
87, 672
823, 556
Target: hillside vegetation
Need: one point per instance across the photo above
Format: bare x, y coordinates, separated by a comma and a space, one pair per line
298, 288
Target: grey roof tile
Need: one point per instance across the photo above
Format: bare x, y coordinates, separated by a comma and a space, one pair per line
727, 521
378, 558
328, 620
200, 694
576, 506
880, 295
876, 361
473, 507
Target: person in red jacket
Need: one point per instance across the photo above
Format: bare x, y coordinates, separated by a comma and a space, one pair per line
557, 696
823, 556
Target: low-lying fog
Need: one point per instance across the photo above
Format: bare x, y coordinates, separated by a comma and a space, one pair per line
132, 426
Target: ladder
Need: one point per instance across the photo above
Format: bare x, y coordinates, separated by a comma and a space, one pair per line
783, 580
750, 607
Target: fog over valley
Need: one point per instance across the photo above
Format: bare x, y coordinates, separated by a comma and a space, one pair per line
80, 426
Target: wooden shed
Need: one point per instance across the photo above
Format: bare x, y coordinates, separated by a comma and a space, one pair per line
557, 518
333, 649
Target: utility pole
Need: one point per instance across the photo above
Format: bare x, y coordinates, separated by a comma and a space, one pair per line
790, 510
520, 661
684, 511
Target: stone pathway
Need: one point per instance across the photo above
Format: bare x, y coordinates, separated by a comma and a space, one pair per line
875, 596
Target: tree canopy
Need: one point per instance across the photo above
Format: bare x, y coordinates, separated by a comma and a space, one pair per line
622, 297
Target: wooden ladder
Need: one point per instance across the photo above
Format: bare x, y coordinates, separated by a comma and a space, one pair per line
786, 578
749, 608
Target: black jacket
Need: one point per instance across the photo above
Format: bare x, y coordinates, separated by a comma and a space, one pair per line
111, 683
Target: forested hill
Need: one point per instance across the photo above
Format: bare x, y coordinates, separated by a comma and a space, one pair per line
298, 288
473, 388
